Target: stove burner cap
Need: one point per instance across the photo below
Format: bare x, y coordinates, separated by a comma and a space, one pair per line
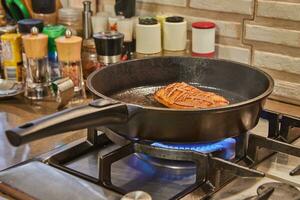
275, 191
137, 195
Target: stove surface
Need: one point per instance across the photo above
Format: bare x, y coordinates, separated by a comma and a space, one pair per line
136, 172
49, 183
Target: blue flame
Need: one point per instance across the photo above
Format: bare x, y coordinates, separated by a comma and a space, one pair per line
226, 147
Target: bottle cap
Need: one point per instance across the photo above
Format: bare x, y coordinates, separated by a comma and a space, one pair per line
25, 25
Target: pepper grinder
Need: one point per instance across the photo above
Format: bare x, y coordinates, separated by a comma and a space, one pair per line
87, 20
37, 71
69, 57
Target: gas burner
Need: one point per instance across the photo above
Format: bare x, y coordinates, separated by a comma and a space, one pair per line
224, 149
276, 191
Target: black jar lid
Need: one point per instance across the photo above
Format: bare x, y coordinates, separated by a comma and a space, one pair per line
25, 25
108, 43
148, 21
43, 6
174, 19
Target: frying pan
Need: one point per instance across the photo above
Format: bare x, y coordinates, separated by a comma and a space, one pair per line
124, 102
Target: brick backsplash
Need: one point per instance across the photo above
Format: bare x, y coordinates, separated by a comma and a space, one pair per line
262, 33
232, 6
279, 9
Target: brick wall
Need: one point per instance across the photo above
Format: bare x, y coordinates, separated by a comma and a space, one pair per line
262, 33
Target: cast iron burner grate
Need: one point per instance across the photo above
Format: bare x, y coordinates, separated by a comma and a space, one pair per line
206, 163
275, 191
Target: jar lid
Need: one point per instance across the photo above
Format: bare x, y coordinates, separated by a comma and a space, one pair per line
203, 25
174, 19
26, 25
44, 7
148, 21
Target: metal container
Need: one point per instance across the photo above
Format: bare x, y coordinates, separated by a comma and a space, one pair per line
109, 46
87, 20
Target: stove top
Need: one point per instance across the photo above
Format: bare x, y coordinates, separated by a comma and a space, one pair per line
98, 168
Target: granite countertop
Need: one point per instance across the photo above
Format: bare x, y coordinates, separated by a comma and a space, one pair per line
16, 111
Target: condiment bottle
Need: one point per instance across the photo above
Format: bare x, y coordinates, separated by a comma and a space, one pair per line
11, 56
69, 56
37, 70
4, 30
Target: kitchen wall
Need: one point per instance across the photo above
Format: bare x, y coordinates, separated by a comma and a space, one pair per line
262, 33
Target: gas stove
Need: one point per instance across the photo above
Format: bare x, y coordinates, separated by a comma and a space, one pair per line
261, 164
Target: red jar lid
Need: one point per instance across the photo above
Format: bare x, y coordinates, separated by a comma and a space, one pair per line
203, 25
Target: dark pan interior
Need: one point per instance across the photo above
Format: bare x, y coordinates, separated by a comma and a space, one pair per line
136, 81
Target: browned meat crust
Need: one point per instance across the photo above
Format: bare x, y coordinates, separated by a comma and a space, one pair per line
182, 96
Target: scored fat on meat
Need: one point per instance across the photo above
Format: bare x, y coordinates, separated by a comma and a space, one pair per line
184, 96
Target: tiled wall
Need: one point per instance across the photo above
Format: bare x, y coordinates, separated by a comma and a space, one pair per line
262, 33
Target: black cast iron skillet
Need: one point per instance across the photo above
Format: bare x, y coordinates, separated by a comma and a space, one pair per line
125, 102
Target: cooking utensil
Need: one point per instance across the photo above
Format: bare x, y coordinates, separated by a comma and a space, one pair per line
126, 105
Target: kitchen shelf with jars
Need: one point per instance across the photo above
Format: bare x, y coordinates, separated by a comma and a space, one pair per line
49, 49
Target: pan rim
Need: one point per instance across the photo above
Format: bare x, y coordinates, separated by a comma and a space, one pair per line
263, 95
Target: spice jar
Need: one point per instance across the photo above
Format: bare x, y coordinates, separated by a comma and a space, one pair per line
69, 56
175, 33
3, 30
11, 56
89, 58
203, 39
72, 19
148, 36
37, 70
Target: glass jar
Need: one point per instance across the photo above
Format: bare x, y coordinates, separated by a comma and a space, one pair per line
89, 59
72, 19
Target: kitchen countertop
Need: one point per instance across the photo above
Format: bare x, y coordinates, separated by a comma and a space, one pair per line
17, 110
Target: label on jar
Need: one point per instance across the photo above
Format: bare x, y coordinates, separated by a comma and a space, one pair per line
12, 73
7, 51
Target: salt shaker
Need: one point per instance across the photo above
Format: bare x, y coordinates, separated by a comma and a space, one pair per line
37, 70
69, 57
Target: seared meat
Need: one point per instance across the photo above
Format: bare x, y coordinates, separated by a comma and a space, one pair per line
182, 95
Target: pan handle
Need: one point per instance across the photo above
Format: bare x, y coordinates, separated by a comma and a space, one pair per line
97, 113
